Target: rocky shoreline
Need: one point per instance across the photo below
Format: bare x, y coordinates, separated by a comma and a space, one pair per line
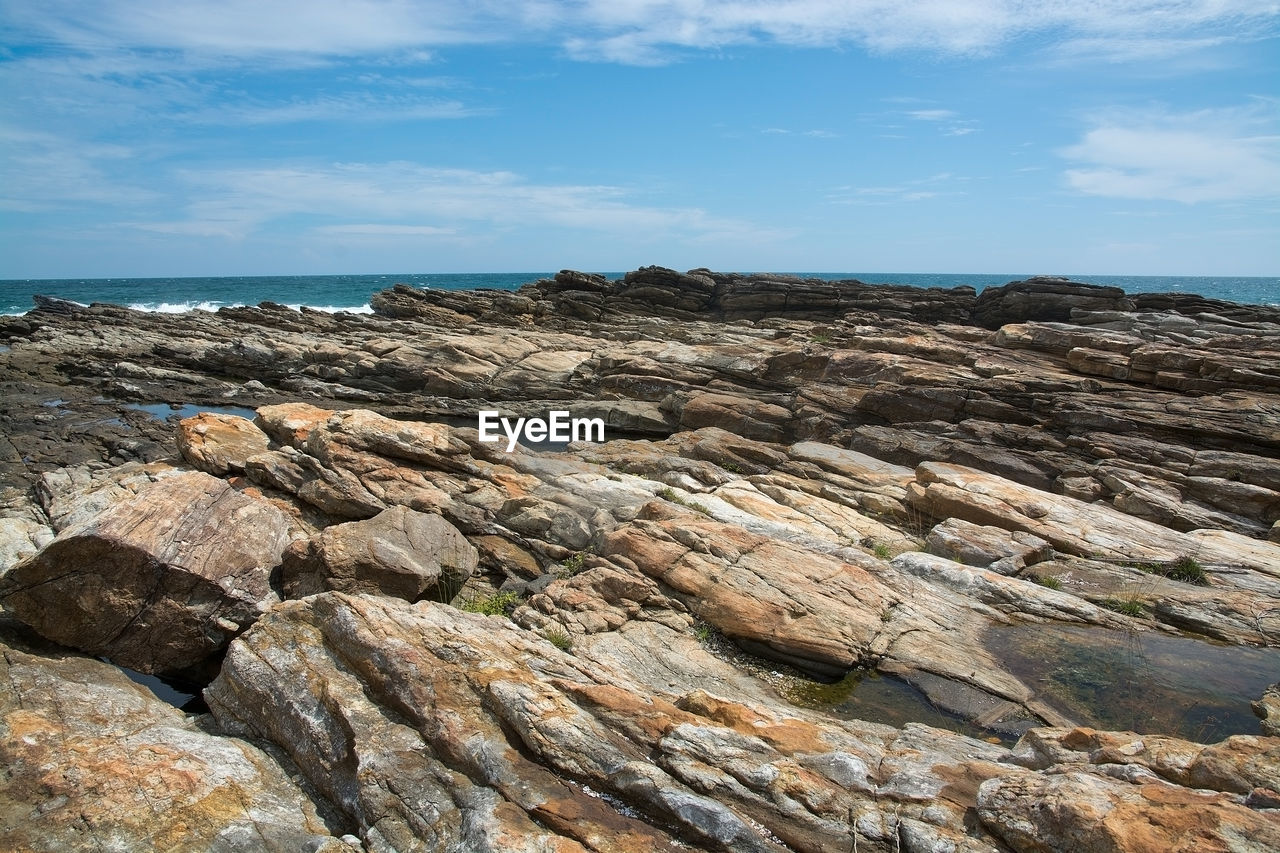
1001, 505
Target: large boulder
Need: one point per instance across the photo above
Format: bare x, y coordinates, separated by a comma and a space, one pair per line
219, 444
94, 761
1045, 298
159, 581
398, 552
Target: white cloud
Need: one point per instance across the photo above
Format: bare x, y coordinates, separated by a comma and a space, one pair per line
1125, 49
949, 121
44, 172
1208, 156
815, 134
403, 199
931, 115
919, 189
356, 106
636, 31
377, 230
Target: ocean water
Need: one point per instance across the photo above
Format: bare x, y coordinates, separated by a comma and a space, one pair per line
352, 292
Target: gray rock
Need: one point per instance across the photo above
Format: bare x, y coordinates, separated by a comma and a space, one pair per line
985, 546
398, 552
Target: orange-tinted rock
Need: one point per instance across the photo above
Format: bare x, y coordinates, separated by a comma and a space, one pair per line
219, 444
94, 761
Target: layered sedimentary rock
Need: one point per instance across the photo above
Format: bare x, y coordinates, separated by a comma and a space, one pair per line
613, 646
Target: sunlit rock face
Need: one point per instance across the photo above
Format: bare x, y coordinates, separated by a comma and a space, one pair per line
822, 514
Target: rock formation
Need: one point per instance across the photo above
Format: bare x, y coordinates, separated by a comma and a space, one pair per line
414, 640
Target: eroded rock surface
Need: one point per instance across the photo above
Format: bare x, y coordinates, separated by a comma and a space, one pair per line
804, 479
159, 581
398, 552
93, 761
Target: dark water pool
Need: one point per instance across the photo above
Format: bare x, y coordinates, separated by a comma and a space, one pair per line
876, 698
1147, 682
182, 696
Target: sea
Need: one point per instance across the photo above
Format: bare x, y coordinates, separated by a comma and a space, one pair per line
352, 292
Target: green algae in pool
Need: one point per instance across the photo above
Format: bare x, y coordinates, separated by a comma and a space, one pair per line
1147, 682
875, 698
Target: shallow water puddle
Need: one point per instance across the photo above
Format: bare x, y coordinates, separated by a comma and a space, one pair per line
876, 698
1147, 682
163, 411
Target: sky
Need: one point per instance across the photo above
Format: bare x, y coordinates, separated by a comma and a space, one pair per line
290, 137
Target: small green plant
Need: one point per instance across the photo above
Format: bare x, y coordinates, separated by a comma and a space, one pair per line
881, 550
571, 565
732, 467
1048, 581
559, 638
498, 604
1185, 568
670, 495
1128, 607
703, 633
1188, 570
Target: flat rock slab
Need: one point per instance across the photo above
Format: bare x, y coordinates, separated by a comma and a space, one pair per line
157, 582
1086, 812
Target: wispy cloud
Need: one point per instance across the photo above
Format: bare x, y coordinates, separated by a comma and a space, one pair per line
634, 31
45, 172
378, 230
949, 121
408, 199
1206, 156
815, 134
356, 106
918, 189
931, 115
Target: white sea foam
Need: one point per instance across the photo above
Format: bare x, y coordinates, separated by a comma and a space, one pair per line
335, 309
175, 307
206, 305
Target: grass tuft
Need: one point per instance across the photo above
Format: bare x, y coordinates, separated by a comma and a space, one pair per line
498, 604
1188, 570
1128, 607
1185, 568
559, 638
669, 494
571, 565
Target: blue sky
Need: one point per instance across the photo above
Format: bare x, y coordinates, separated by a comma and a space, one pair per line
156, 138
